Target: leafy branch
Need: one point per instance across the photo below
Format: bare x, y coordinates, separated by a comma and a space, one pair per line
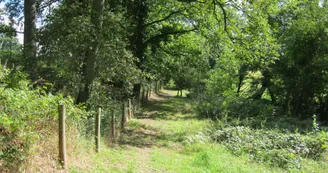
165, 34
163, 19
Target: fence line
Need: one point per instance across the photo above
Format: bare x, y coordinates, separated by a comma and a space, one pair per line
127, 113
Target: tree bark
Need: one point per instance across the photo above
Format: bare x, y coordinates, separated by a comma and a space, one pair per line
241, 73
92, 52
240, 83
123, 120
156, 87
137, 92
138, 10
29, 51
147, 95
273, 98
143, 95
266, 83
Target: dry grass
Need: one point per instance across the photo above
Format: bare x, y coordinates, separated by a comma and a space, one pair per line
44, 153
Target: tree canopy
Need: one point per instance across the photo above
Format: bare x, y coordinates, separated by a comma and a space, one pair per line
95, 50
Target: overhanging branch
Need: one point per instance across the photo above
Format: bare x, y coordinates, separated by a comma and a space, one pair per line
167, 34
225, 18
161, 20
176, 54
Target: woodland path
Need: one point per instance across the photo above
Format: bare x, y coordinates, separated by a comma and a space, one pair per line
154, 134
158, 140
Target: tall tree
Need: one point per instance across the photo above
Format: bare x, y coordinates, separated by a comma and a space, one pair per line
29, 38
151, 24
91, 54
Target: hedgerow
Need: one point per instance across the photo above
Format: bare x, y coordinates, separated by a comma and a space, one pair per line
28, 115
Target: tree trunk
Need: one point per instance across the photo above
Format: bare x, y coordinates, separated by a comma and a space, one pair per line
240, 83
137, 10
265, 84
273, 98
143, 99
91, 55
29, 51
147, 95
156, 87
241, 73
123, 120
137, 94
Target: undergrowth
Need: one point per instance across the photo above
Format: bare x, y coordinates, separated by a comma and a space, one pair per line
278, 149
28, 116
261, 130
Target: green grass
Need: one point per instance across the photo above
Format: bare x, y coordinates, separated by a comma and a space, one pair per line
204, 158
157, 141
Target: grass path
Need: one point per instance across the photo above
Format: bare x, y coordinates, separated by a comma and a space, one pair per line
156, 142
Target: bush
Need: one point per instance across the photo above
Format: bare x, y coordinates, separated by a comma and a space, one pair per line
210, 107
241, 107
213, 106
275, 148
25, 118
170, 85
257, 114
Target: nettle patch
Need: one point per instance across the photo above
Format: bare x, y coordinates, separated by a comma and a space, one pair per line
275, 148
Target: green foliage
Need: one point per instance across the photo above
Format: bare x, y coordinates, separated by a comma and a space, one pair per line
267, 66
278, 149
199, 138
170, 85
217, 108
260, 64
10, 51
303, 58
24, 114
63, 62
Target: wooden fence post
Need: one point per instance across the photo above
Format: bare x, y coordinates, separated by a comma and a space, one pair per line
97, 137
123, 121
113, 125
62, 139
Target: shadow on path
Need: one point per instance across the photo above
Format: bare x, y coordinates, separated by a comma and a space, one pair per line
141, 133
143, 136
165, 107
139, 137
